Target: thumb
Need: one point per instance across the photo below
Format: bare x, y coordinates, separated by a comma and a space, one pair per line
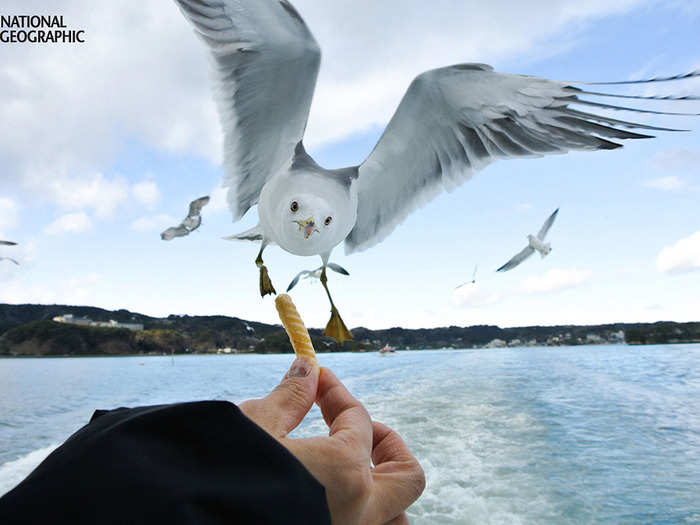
283, 409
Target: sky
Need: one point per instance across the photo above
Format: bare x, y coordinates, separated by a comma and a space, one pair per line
104, 144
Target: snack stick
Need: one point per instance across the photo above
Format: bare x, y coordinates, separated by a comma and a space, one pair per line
297, 332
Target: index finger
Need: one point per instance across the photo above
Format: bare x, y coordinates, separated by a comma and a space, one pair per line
343, 414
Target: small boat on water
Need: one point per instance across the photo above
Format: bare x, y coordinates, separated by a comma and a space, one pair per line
386, 350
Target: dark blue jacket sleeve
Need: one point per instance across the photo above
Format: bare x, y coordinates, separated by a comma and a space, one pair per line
195, 463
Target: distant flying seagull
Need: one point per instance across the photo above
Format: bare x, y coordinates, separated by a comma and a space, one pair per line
473, 281
451, 122
189, 223
9, 259
533, 243
8, 243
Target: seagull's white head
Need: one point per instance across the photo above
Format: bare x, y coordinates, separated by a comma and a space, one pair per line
310, 216
308, 224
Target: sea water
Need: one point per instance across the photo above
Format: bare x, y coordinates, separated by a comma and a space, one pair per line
588, 434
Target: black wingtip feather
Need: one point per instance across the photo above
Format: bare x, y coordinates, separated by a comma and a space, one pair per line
692, 74
581, 101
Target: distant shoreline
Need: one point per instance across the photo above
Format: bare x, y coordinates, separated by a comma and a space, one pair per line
33, 330
73, 356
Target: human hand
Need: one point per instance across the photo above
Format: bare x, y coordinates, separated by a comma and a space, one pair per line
356, 492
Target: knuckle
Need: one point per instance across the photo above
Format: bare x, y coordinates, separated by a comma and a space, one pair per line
292, 394
357, 484
418, 482
351, 474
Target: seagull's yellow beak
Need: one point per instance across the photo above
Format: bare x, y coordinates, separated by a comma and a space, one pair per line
307, 226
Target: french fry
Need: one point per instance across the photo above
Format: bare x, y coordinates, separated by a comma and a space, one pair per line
294, 326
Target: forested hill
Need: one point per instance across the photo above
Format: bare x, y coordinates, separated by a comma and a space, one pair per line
29, 330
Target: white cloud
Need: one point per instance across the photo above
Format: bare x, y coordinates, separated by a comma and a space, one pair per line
472, 295
70, 223
140, 75
669, 183
682, 257
146, 192
218, 201
367, 68
94, 191
554, 280
73, 290
154, 222
676, 158
9, 214
143, 75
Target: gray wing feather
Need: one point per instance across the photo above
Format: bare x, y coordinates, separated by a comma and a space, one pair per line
517, 259
197, 205
9, 259
266, 62
174, 231
456, 120
547, 225
8, 243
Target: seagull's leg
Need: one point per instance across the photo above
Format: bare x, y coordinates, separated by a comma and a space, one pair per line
336, 327
265, 283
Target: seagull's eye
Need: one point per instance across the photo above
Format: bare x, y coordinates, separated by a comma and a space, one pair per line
294, 206
328, 221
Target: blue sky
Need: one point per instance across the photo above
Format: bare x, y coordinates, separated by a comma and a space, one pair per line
106, 144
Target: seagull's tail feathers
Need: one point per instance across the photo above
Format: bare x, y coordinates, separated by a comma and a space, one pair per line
254, 234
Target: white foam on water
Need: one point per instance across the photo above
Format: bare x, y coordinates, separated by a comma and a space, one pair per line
12, 472
474, 446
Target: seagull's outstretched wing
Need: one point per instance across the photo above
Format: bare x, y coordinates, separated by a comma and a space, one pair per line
547, 225
197, 205
455, 120
517, 259
9, 259
174, 231
8, 243
266, 62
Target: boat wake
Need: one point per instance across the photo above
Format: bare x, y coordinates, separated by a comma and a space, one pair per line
12, 472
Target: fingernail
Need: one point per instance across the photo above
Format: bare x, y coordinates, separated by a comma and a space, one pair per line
300, 368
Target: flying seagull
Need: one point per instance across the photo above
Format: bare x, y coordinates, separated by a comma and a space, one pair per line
533, 243
8, 243
189, 223
473, 281
451, 122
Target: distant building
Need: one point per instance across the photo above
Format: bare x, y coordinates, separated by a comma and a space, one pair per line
617, 337
71, 319
594, 339
86, 321
496, 343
